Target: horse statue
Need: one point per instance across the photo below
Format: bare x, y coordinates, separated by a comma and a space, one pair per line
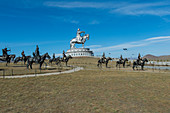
7, 59
40, 61
66, 59
105, 61
54, 60
139, 63
121, 62
75, 40
21, 59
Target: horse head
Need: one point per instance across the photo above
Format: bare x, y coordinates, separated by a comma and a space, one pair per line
126, 59
86, 36
145, 60
69, 56
109, 58
47, 55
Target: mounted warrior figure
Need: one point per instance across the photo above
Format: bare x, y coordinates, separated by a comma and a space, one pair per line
6, 57
79, 39
78, 36
23, 54
139, 62
64, 56
103, 57
121, 58
5, 53
121, 61
37, 54
103, 60
139, 59
23, 58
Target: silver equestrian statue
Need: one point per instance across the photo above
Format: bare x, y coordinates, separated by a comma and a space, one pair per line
79, 39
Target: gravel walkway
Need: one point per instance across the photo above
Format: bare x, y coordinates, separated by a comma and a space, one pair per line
45, 74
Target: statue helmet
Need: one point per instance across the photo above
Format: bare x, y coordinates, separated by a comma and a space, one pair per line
78, 29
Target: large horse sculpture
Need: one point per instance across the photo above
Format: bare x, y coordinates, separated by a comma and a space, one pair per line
40, 61
75, 40
140, 63
66, 59
7, 59
54, 60
21, 59
121, 62
106, 61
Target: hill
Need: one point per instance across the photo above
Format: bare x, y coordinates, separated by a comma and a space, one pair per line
152, 57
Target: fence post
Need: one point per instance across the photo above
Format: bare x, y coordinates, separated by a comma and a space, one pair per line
3, 73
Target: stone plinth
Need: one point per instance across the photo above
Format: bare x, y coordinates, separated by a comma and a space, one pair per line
79, 52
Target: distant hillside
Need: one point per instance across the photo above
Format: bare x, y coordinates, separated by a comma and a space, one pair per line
152, 57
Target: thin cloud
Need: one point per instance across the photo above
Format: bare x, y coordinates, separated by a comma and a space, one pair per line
140, 43
125, 8
28, 44
157, 38
93, 46
158, 9
82, 4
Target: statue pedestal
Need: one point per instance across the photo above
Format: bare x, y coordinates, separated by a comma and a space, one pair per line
79, 52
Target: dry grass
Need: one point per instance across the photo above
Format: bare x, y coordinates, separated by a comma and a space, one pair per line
21, 69
91, 90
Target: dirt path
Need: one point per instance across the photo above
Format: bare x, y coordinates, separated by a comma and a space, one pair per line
45, 74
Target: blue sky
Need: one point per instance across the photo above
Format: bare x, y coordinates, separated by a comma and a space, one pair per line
142, 26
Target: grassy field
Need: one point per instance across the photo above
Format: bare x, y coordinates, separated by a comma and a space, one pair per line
21, 69
91, 90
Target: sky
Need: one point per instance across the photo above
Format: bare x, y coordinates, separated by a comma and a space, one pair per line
141, 26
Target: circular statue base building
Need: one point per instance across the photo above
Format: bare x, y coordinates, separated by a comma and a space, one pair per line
80, 52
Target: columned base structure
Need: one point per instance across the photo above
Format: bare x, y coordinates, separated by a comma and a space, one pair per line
79, 52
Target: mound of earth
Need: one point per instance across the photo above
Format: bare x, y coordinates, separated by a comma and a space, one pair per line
152, 57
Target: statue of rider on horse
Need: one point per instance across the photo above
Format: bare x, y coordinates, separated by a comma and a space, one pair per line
139, 60
6, 57
36, 54
79, 39
5, 53
64, 55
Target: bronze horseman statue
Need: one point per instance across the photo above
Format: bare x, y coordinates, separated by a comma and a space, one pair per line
139, 62
103, 60
37, 58
6, 57
121, 61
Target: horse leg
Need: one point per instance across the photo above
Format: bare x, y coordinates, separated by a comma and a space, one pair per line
27, 65
133, 66
66, 63
40, 65
31, 65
